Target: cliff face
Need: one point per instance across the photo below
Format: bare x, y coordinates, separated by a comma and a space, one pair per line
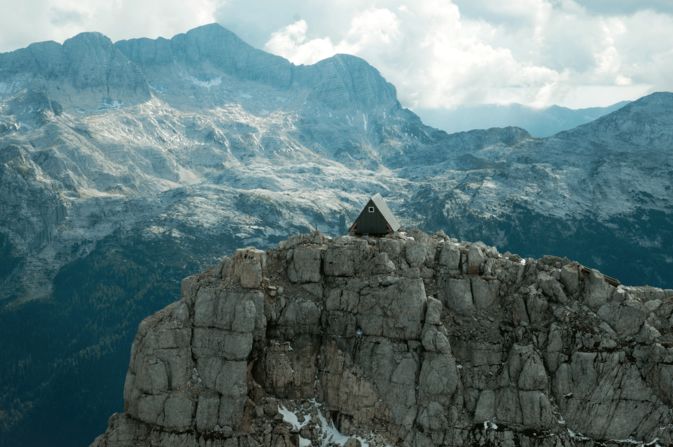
86, 71
419, 341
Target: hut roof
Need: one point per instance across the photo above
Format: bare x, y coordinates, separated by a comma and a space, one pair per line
385, 211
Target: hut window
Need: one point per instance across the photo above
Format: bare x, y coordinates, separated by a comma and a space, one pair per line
371, 209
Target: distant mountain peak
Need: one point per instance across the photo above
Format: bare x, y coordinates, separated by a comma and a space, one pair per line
542, 122
654, 103
89, 38
210, 28
635, 126
348, 59
656, 96
216, 35
120, 73
344, 77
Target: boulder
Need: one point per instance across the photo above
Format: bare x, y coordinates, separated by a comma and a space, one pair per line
340, 261
597, 291
449, 256
456, 294
248, 266
475, 258
415, 253
484, 292
570, 278
305, 264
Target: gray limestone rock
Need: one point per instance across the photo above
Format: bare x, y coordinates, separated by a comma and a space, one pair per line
484, 292
597, 291
497, 359
552, 288
415, 253
433, 313
533, 375
301, 316
248, 267
449, 256
396, 311
439, 378
625, 318
305, 265
382, 264
570, 278
209, 342
340, 261
435, 340
475, 257
554, 347
226, 309
485, 410
177, 412
456, 294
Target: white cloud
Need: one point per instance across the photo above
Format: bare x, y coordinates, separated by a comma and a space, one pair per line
434, 56
291, 42
442, 53
370, 30
26, 21
438, 53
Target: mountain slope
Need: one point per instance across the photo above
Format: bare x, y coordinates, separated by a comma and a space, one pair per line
604, 186
112, 152
82, 71
645, 124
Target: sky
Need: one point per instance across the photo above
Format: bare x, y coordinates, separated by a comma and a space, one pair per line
438, 53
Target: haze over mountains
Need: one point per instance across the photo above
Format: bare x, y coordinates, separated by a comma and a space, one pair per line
539, 122
125, 166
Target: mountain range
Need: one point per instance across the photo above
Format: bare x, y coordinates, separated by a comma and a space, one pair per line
126, 166
539, 122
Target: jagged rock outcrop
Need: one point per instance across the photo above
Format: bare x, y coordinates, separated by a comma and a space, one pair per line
401, 340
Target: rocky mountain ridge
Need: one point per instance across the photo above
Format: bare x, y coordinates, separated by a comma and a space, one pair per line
405, 340
540, 122
125, 166
152, 126
90, 72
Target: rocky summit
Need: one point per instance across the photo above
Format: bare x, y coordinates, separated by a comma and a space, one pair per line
412, 340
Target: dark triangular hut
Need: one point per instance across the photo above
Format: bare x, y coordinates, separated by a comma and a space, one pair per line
376, 219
